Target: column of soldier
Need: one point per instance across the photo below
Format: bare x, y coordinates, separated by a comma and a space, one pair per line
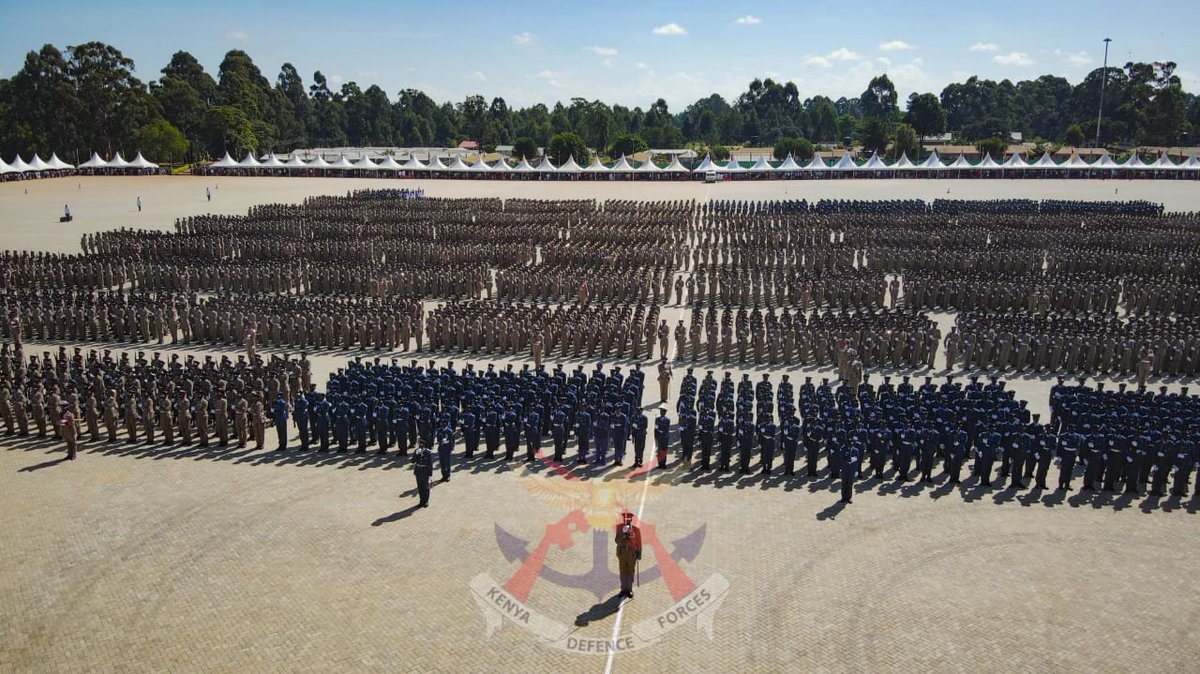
844, 255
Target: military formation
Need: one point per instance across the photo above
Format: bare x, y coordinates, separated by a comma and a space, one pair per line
1075, 288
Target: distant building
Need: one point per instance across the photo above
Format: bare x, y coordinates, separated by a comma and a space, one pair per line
469, 145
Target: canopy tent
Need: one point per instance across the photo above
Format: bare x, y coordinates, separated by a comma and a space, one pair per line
961, 163
845, 163
621, 166
435, 164
706, 165
547, 166
318, 162
875, 163
732, 166
816, 163
1014, 161
903, 163
272, 161
570, 166
932, 162
1163, 162
1193, 162
596, 166
20, 165
342, 164
457, 166
648, 166
523, 166
1135, 162
502, 166
389, 164
788, 164
5, 168
55, 163
1105, 161
411, 164
294, 163
223, 162
1044, 162
480, 166
140, 162
1075, 162
364, 162
988, 163
249, 161
676, 166
36, 164
762, 166
118, 162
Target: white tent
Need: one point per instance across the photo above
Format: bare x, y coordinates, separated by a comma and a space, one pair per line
457, 166
570, 166
1014, 161
318, 162
596, 166
58, 164
1076, 162
731, 166
1105, 161
961, 163
97, 162
523, 166
140, 162
272, 161
933, 161
1193, 163
20, 165
364, 162
706, 165
435, 164
845, 163
875, 163
621, 166
1044, 162
294, 163
480, 166
816, 163
249, 161
223, 162
788, 164
762, 166
676, 166
1163, 162
389, 164
342, 164
988, 163
411, 164
118, 162
903, 163
547, 166
502, 166
648, 166
37, 164
1134, 162
5, 168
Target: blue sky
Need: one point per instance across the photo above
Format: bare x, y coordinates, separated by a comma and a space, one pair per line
625, 52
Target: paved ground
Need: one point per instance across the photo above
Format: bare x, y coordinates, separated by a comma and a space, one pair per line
152, 559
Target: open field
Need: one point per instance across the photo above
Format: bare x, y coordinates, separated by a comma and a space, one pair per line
161, 559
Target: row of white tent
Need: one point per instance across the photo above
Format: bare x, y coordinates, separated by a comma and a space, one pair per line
39, 165
622, 165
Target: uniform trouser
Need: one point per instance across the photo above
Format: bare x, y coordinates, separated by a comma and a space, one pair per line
510, 446
726, 447
281, 431
444, 452
983, 470
660, 449
1065, 470
381, 436
302, 425
601, 448
72, 446
706, 445
581, 456
423, 488
789, 458
323, 436
619, 444
532, 447
1039, 476
560, 449
812, 453
955, 468
847, 484
687, 445
639, 449
493, 443
471, 442
767, 456
627, 567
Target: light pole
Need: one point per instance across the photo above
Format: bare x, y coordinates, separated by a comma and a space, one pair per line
1103, 80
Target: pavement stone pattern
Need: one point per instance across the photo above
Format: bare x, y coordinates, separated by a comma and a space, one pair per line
153, 559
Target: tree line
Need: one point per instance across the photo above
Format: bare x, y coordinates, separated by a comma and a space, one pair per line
87, 98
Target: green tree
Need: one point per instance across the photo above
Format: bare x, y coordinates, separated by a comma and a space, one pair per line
114, 103
162, 141
905, 143
627, 144
925, 115
525, 147
226, 129
801, 149
879, 100
1074, 136
873, 135
567, 144
719, 152
996, 146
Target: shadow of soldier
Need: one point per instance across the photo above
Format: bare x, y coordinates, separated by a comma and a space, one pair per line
397, 516
832, 511
599, 611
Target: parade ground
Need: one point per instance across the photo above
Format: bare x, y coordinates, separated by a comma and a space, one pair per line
155, 559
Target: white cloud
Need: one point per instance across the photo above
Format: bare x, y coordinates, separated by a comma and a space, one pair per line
748, 20
1079, 58
478, 76
553, 78
336, 79
884, 61
839, 54
602, 51
896, 45
670, 29
523, 39
985, 46
238, 36
1016, 58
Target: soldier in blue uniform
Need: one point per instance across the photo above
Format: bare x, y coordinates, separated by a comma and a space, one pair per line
491, 432
470, 432
512, 433
382, 423
445, 448
706, 431
985, 456
321, 420
745, 439
533, 435
600, 430
1068, 451
279, 415
849, 471
361, 417
583, 434
813, 437
640, 426
619, 433
558, 433
341, 424
423, 471
790, 434
300, 416
766, 440
687, 435
662, 438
